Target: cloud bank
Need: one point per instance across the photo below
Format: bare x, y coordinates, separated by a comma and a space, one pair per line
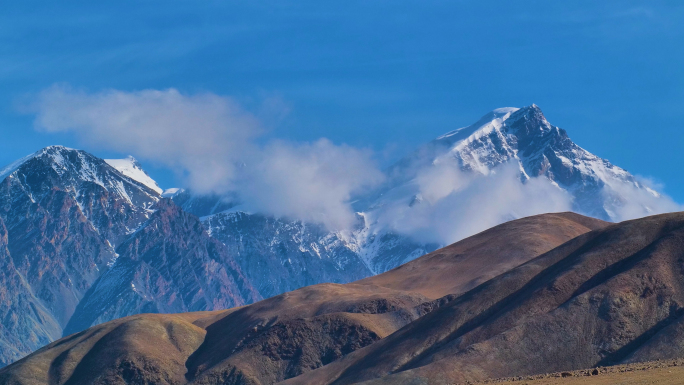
452, 204
309, 181
217, 146
213, 143
203, 136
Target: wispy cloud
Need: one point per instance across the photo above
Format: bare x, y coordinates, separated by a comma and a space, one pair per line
625, 200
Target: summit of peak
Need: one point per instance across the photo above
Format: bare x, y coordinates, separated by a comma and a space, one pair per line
53, 152
54, 149
57, 147
531, 109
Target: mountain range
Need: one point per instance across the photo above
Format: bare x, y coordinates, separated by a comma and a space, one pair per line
85, 240
580, 293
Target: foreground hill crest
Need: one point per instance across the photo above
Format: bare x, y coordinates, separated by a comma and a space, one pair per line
609, 294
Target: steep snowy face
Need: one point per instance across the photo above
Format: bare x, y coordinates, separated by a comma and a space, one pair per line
524, 135
132, 169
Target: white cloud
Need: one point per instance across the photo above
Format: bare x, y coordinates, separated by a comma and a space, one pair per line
457, 204
310, 181
202, 136
212, 141
624, 201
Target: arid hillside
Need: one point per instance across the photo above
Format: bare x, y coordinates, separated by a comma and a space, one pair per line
559, 292
607, 297
464, 265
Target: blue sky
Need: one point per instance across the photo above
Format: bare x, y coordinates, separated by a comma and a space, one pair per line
387, 75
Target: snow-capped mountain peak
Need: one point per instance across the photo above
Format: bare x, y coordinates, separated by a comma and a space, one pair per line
130, 167
89, 181
524, 136
54, 152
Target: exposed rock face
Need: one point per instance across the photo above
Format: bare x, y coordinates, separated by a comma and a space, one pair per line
114, 204
22, 330
169, 265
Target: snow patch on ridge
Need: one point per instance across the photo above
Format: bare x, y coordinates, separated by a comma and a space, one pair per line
131, 168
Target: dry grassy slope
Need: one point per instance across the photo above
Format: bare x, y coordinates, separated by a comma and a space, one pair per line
262, 343
287, 335
299, 331
123, 351
609, 296
464, 265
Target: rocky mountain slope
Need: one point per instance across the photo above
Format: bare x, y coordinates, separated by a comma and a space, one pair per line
466, 264
169, 265
63, 212
609, 296
289, 335
69, 222
280, 256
